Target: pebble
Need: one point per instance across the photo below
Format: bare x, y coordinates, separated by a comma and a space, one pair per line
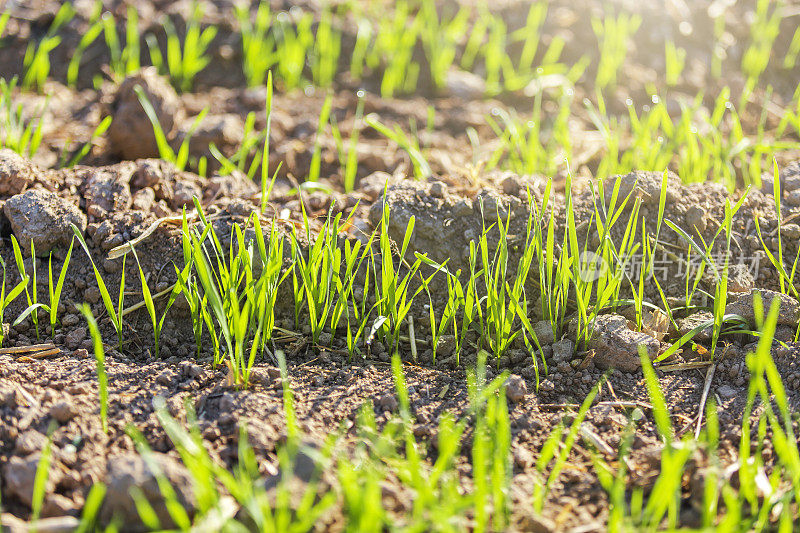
563, 350
727, 392
438, 189
790, 231
57, 505
387, 402
227, 402
793, 198
165, 377
696, 218
544, 332
75, 338
92, 294
445, 345
63, 412
70, 320
30, 442
463, 208
516, 389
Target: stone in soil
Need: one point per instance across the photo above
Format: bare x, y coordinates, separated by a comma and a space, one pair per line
685, 325
445, 345
617, 346
742, 305
20, 473
563, 350
516, 389
16, 173
44, 218
645, 185
544, 332
131, 132
131, 470
63, 412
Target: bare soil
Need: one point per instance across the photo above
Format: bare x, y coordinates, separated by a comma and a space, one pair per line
121, 199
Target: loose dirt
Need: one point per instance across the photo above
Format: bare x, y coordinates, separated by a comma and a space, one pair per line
121, 193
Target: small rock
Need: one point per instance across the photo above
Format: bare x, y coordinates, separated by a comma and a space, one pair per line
63, 412
535, 523
740, 278
422, 431
685, 325
544, 332
463, 208
784, 333
563, 350
44, 218
131, 470
511, 185
56, 524
547, 386
742, 305
191, 370
227, 403
144, 199
465, 84
695, 218
516, 389
793, 198
70, 320
30, 442
373, 185
166, 377
56, 505
92, 294
523, 458
21, 473
16, 173
445, 345
645, 185
518, 356
617, 346
727, 392
131, 133
378, 348
112, 265
184, 193
260, 375
387, 402
438, 189
790, 231
74, 338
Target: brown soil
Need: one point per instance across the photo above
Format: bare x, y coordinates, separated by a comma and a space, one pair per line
121, 199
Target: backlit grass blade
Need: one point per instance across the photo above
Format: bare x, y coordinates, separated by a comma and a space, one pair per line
99, 355
114, 315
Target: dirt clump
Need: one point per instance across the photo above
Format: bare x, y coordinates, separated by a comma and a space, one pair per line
16, 173
743, 305
20, 475
644, 185
616, 345
131, 132
130, 471
107, 190
43, 218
